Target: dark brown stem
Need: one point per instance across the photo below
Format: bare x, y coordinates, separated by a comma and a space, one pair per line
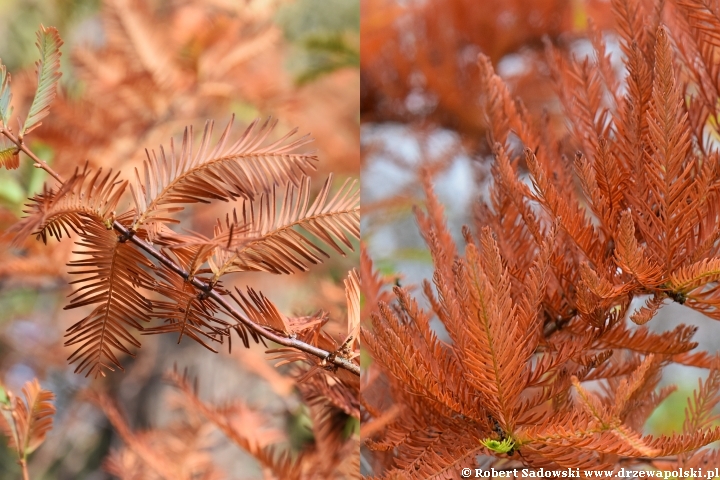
128, 235
220, 300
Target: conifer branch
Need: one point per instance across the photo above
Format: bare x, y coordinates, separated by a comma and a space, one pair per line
335, 360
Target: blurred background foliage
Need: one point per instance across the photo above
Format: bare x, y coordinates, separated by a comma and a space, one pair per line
325, 33
20, 19
421, 107
135, 74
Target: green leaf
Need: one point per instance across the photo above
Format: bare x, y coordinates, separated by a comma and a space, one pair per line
4, 399
497, 446
352, 427
326, 54
326, 35
48, 71
5, 96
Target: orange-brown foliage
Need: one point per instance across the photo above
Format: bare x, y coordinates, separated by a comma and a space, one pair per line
134, 273
543, 366
419, 58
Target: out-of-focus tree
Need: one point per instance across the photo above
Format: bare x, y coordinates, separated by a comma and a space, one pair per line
419, 59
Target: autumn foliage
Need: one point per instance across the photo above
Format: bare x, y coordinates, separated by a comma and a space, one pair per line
419, 58
137, 267
549, 361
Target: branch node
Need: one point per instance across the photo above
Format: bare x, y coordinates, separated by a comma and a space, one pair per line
127, 235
